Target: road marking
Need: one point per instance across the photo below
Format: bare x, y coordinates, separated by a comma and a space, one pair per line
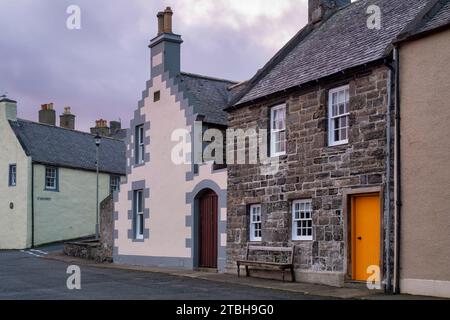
39, 251
31, 253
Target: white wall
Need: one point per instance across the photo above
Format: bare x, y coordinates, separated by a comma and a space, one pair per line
167, 184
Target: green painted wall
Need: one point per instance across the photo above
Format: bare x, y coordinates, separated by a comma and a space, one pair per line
69, 213
14, 223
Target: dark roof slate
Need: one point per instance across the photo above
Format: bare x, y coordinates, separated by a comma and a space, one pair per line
342, 42
69, 148
208, 96
441, 17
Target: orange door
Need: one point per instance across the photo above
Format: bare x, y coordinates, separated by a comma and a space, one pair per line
366, 226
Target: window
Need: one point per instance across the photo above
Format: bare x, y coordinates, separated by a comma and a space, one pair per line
139, 213
114, 183
302, 220
51, 178
156, 96
255, 223
12, 180
338, 116
140, 147
278, 131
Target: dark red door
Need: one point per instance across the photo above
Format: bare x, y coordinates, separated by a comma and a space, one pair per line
208, 230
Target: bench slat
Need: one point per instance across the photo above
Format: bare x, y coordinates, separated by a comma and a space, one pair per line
257, 263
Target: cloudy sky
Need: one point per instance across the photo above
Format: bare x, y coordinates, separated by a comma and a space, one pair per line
100, 70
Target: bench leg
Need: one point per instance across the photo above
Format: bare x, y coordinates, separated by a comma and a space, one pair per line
246, 271
239, 270
292, 274
283, 274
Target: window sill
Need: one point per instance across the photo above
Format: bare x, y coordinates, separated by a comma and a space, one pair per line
278, 155
51, 190
336, 144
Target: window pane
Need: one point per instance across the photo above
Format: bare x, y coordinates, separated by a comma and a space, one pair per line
141, 224
341, 97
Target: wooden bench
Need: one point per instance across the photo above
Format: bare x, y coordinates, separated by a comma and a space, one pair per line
258, 264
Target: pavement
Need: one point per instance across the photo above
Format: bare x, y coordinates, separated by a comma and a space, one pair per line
42, 274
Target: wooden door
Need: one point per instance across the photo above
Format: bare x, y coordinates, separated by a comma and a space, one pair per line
366, 226
208, 230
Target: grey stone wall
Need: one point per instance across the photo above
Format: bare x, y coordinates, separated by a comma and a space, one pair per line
106, 229
311, 169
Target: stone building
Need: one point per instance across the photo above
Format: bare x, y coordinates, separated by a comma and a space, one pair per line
327, 100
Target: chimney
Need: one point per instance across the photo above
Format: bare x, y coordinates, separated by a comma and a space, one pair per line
115, 126
160, 22
101, 128
320, 10
67, 119
168, 13
165, 49
47, 114
8, 109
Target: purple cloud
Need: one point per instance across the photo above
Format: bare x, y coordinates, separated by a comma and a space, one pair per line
101, 70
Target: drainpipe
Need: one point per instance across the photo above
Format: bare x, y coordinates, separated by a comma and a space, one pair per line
387, 198
398, 189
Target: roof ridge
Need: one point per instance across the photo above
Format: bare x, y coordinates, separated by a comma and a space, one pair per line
195, 75
66, 129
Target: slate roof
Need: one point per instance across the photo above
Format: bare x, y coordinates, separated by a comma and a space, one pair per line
209, 96
342, 42
434, 17
439, 19
61, 147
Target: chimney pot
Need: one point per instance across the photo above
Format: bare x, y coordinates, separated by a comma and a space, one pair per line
101, 128
168, 13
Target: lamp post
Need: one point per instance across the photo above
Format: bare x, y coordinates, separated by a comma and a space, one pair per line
98, 140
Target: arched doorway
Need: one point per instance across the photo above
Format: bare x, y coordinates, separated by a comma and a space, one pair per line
207, 229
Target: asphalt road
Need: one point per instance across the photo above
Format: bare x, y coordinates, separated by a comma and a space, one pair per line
26, 275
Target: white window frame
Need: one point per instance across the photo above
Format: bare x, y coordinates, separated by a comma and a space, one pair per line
255, 223
115, 183
274, 131
12, 175
296, 220
331, 127
139, 213
140, 144
53, 177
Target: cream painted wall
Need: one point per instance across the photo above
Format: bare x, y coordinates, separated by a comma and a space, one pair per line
14, 223
69, 213
167, 183
425, 129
